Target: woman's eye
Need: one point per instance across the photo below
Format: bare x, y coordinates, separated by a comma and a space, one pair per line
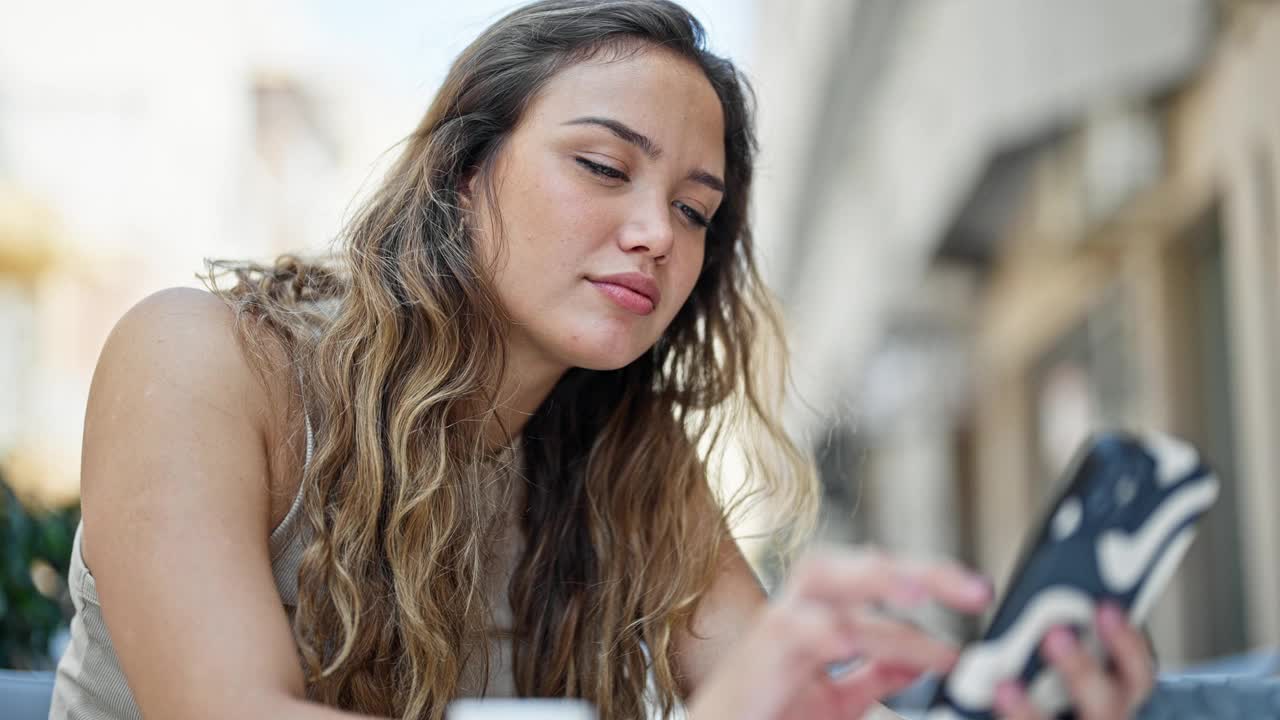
602, 170
611, 173
694, 216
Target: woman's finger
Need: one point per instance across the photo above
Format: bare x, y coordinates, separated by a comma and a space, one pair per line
807, 636
1093, 693
812, 636
860, 577
1013, 703
1128, 649
870, 683
788, 648
897, 644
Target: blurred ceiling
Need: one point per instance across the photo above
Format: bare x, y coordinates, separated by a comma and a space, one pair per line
880, 120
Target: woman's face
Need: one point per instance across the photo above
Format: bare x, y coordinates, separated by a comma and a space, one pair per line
603, 191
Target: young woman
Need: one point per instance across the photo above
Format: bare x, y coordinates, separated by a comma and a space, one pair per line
471, 455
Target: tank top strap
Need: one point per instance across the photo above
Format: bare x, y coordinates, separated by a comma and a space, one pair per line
284, 535
311, 440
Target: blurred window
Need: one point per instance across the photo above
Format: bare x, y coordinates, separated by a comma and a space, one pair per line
1083, 384
1219, 540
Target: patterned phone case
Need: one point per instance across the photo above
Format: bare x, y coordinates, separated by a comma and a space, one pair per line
1116, 532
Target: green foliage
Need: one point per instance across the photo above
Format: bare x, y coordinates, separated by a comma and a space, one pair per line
35, 554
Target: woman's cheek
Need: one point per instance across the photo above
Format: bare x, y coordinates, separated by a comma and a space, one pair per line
692, 270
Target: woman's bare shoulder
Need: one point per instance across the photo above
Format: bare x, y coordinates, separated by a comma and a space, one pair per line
176, 508
179, 351
187, 340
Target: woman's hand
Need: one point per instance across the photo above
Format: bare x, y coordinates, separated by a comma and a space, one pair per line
827, 614
1096, 693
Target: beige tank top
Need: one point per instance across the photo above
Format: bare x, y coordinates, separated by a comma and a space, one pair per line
90, 685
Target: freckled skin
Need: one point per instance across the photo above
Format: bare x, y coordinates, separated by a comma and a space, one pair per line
563, 223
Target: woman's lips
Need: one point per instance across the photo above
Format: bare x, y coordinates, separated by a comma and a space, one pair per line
625, 297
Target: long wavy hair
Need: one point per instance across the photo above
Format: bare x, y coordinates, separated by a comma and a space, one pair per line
399, 340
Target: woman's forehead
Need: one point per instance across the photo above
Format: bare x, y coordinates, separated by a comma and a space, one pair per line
662, 95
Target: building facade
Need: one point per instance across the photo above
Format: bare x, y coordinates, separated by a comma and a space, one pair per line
1001, 226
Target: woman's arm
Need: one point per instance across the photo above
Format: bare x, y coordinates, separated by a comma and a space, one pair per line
723, 616
176, 505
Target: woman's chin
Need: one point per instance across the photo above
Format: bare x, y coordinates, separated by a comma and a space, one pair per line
596, 345
605, 356
606, 361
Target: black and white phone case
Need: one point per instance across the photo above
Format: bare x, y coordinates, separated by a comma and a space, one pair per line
1116, 532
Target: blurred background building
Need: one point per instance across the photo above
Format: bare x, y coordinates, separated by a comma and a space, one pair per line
995, 225
139, 138
1000, 225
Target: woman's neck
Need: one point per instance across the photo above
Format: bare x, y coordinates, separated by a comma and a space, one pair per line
527, 381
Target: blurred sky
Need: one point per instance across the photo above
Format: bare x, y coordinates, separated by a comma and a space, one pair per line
413, 42
408, 45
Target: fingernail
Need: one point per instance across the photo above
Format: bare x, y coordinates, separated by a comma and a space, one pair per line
911, 591
1008, 695
979, 588
1110, 617
1059, 643
949, 660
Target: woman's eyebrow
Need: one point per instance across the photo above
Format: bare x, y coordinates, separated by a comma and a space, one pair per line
647, 145
641, 141
706, 178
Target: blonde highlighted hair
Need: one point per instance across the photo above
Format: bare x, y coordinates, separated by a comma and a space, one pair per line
399, 340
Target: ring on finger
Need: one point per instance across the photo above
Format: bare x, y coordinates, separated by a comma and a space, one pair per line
842, 668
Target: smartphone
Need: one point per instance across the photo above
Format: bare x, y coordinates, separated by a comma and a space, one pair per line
1122, 521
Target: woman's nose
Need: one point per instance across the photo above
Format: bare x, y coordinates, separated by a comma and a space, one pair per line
649, 231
